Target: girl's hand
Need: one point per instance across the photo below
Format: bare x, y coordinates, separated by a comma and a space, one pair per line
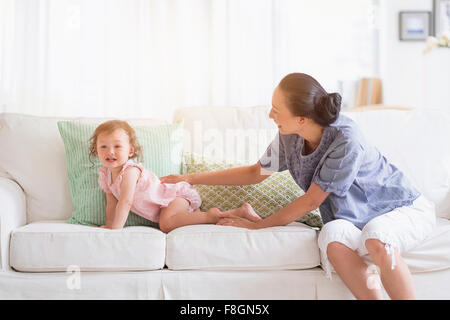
174, 178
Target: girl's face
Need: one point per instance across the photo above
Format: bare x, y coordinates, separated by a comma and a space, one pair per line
114, 149
287, 123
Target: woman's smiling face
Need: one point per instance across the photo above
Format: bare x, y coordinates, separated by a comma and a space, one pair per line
287, 123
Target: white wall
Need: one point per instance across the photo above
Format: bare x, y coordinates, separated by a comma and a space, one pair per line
402, 63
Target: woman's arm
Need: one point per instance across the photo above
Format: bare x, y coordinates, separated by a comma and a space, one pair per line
230, 177
127, 189
311, 200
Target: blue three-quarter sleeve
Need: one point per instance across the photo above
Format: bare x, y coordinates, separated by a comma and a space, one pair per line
339, 168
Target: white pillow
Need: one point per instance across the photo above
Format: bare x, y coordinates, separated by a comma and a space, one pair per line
33, 155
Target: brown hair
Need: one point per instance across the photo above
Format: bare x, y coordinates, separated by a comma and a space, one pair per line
307, 98
109, 127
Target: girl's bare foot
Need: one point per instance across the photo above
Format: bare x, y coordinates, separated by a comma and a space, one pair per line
246, 211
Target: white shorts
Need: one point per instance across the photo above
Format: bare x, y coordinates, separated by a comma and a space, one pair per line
401, 229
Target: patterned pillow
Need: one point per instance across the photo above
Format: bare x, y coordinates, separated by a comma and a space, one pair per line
161, 153
267, 197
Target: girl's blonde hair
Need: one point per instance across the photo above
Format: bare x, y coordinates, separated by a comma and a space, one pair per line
109, 127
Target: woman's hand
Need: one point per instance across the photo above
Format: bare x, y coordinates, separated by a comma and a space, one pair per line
239, 222
174, 178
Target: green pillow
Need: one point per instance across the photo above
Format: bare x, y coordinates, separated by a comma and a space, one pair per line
161, 154
267, 197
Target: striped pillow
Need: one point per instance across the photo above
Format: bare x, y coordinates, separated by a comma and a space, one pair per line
161, 154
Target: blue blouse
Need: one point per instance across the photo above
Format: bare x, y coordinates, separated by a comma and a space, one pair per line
361, 181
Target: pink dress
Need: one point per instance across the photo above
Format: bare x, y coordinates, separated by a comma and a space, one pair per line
151, 195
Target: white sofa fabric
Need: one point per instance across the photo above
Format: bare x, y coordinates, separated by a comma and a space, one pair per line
12, 216
55, 246
434, 253
201, 261
211, 247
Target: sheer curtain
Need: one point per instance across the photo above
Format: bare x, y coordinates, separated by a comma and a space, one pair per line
145, 58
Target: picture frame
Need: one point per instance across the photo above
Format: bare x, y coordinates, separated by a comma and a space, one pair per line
414, 25
441, 17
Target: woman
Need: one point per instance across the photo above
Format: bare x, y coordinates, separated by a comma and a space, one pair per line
367, 205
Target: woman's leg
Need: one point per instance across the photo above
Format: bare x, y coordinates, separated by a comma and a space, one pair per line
397, 281
353, 271
387, 236
176, 215
338, 241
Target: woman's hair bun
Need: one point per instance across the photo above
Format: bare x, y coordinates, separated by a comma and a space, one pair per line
336, 100
327, 108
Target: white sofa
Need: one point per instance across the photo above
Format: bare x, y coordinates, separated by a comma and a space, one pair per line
42, 257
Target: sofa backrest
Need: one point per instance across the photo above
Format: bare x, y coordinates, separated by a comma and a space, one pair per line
416, 141
33, 155
234, 133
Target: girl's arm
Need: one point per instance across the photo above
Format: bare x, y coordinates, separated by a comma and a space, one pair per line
311, 200
230, 177
127, 189
111, 203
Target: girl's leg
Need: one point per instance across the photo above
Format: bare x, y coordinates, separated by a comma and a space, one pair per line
176, 215
353, 271
398, 281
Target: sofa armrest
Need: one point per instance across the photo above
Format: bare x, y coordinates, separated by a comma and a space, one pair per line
12, 215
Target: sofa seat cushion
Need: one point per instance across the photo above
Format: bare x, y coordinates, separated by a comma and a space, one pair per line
434, 253
213, 247
56, 245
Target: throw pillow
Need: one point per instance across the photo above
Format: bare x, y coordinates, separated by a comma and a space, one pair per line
266, 198
161, 154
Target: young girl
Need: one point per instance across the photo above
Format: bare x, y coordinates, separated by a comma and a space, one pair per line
130, 186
